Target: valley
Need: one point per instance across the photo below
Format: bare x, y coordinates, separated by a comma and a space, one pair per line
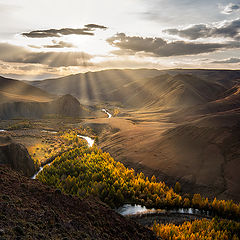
128, 136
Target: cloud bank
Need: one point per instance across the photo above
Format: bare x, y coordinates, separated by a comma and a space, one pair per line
161, 48
230, 29
17, 54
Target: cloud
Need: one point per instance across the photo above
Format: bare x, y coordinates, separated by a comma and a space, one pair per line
161, 48
58, 32
87, 30
230, 29
17, 54
95, 26
34, 46
60, 44
229, 60
230, 8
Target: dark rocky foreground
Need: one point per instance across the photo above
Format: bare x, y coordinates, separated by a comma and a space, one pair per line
31, 210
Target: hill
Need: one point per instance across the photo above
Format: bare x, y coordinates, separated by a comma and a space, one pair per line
13, 90
93, 86
31, 210
177, 91
144, 87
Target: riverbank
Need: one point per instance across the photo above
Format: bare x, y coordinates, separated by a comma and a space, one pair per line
165, 217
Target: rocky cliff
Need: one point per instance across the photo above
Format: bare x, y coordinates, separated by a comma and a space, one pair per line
16, 156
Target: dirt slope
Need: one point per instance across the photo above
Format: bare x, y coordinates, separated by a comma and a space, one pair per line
30, 210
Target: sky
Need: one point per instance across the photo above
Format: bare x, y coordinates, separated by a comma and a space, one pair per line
48, 39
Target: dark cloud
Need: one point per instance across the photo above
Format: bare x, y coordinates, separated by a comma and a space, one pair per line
17, 54
87, 30
95, 26
230, 8
228, 30
162, 48
60, 44
229, 60
58, 32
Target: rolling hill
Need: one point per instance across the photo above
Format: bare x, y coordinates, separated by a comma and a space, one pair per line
93, 87
15, 91
144, 87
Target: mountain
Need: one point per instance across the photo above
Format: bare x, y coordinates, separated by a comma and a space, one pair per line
177, 91
67, 105
31, 210
15, 91
93, 86
144, 87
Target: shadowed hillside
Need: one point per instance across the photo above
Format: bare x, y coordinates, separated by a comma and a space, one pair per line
65, 106
31, 210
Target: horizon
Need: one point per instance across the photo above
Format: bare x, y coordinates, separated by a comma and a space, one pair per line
167, 69
79, 37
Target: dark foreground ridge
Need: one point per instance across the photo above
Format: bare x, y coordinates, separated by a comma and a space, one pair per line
31, 210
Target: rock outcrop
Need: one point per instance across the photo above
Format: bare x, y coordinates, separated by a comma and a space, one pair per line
66, 105
16, 156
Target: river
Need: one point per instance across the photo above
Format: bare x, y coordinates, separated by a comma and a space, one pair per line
109, 114
130, 210
89, 140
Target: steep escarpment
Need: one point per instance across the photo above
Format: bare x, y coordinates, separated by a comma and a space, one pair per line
65, 106
31, 210
16, 156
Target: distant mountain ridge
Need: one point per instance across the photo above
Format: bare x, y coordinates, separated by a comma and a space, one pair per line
148, 87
